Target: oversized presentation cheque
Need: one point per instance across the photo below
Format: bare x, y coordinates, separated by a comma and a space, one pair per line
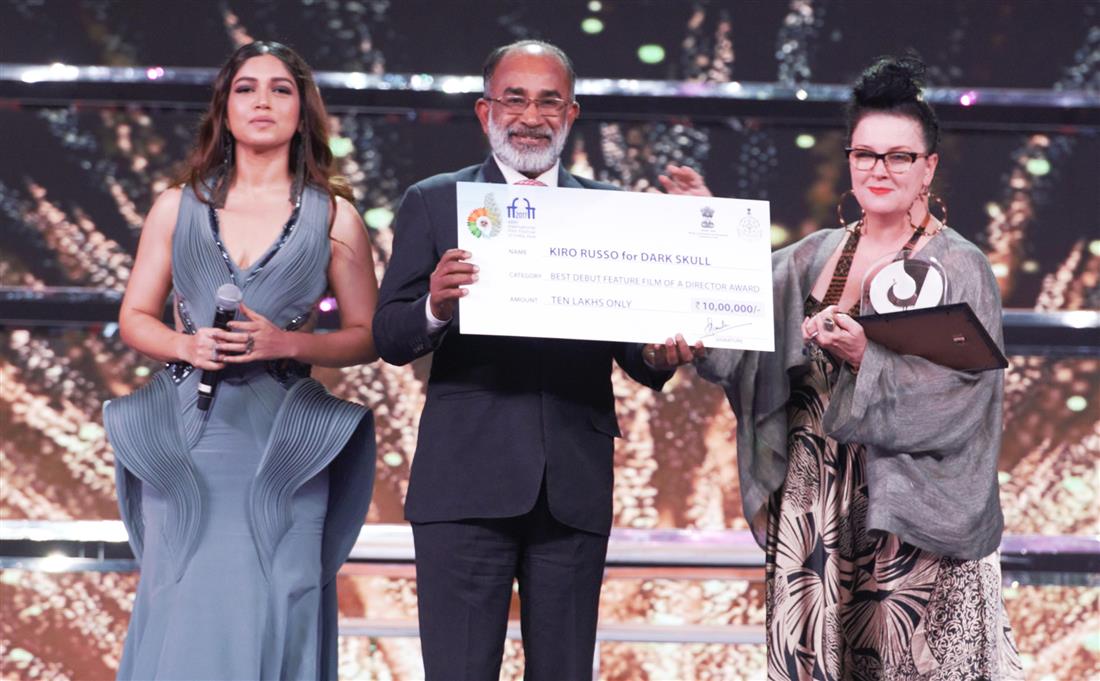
617, 266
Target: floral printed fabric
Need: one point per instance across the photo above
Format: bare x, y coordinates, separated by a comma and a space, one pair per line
846, 603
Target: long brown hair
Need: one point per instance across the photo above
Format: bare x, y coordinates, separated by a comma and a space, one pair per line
210, 167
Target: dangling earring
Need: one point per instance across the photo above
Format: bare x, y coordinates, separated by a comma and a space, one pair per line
924, 223
227, 151
221, 185
840, 212
298, 185
943, 207
926, 195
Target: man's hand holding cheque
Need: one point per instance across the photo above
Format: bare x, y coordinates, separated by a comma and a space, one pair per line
672, 353
447, 281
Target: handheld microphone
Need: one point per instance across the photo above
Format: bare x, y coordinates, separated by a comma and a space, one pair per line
226, 302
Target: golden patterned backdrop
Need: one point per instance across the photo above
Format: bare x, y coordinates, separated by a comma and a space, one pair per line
76, 180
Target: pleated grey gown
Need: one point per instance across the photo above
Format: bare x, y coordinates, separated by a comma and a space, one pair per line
240, 516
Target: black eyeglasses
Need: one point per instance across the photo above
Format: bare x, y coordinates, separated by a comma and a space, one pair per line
550, 107
895, 161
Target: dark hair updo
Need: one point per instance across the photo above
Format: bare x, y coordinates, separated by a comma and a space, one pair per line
893, 85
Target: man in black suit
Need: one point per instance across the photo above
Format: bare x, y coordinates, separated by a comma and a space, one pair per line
512, 477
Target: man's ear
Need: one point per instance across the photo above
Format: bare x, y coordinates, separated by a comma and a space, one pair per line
481, 110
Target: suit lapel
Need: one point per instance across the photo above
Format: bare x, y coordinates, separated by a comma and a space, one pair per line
489, 172
566, 179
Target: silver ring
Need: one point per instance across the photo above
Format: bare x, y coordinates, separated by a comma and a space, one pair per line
814, 335
249, 344
214, 353
828, 324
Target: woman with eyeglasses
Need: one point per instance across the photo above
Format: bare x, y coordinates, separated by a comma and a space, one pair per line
242, 497
869, 477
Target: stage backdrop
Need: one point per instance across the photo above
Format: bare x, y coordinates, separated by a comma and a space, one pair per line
76, 180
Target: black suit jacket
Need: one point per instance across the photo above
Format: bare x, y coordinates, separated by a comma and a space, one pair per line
500, 411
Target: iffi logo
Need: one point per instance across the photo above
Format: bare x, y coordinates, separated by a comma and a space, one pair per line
485, 222
481, 224
516, 212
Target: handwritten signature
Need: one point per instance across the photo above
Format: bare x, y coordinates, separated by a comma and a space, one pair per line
711, 328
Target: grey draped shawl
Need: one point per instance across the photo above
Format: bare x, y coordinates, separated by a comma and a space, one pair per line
932, 434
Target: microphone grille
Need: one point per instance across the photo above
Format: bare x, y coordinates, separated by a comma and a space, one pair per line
229, 296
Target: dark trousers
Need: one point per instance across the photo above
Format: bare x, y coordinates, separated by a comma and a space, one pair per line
464, 573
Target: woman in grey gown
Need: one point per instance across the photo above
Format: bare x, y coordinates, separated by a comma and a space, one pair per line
241, 514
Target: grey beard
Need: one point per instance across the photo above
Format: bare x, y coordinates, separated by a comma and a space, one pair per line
534, 161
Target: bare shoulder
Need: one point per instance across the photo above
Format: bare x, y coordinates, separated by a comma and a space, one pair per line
161, 219
168, 201
346, 212
348, 224
348, 231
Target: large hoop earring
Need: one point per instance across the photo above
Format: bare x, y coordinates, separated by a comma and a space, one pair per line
927, 196
943, 207
840, 211
927, 216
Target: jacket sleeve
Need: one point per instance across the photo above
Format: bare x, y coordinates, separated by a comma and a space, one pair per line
400, 322
903, 403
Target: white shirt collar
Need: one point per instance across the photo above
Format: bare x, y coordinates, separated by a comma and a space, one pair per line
512, 176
